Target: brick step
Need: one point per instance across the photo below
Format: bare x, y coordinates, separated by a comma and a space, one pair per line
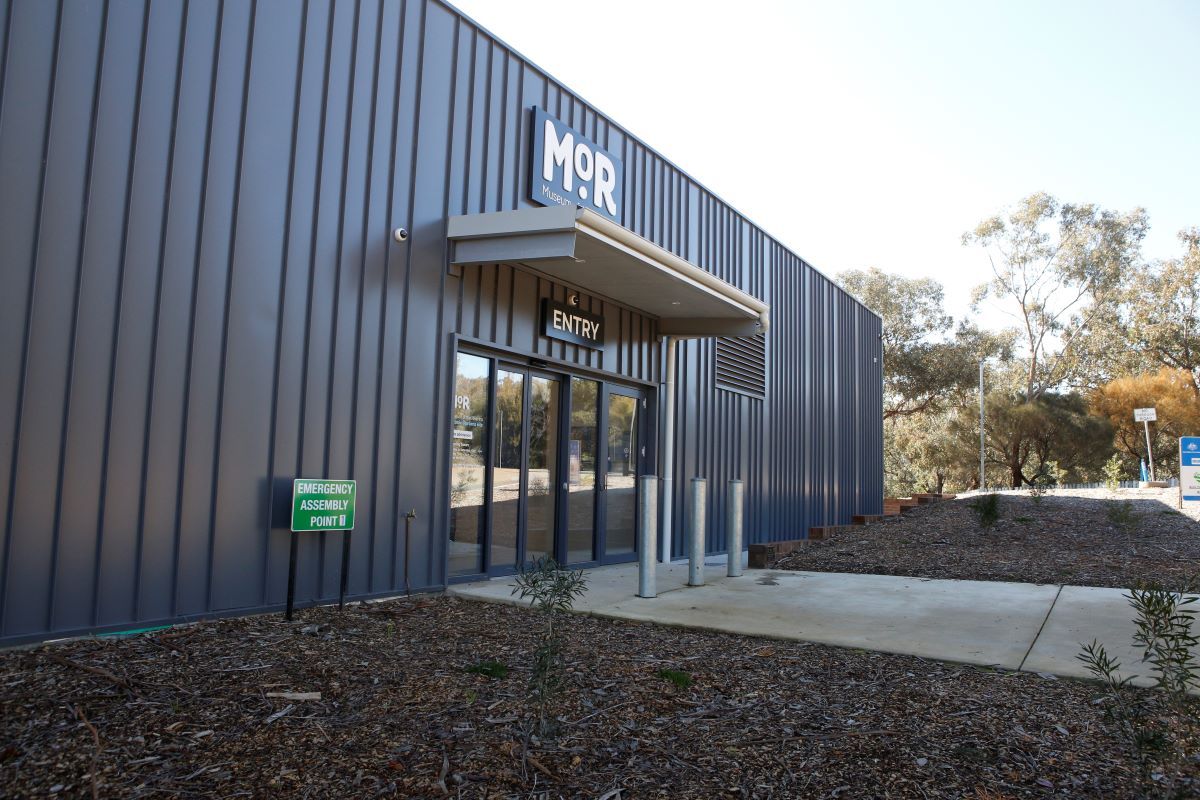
822, 532
763, 555
866, 519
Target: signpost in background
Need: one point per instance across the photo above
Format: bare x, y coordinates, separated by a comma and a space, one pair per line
321, 505
1146, 416
1189, 469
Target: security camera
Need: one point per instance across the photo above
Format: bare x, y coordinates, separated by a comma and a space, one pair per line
400, 234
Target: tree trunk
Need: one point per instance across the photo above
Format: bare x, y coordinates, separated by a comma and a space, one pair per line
1015, 466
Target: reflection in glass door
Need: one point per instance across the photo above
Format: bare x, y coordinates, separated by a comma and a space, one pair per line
467, 486
506, 463
620, 476
581, 471
542, 477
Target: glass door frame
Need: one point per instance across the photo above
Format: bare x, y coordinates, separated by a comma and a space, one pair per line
529, 372
639, 458
501, 359
600, 508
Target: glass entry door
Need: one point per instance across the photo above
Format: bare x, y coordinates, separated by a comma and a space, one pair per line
605, 455
523, 469
542, 464
622, 459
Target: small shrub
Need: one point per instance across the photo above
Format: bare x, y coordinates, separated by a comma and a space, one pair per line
1023, 520
1047, 477
1121, 514
492, 669
552, 591
987, 508
1112, 473
681, 679
1165, 637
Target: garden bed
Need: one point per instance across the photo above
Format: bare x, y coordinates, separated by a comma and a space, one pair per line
381, 700
1083, 538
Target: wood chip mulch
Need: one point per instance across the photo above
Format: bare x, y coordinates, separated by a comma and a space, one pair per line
1063, 539
378, 701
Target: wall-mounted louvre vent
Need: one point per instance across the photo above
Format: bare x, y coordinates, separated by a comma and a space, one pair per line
742, 364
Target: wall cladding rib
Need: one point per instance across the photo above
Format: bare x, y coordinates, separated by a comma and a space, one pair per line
202, 298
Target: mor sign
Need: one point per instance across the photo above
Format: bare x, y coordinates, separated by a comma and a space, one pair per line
567, 323
567, 168
321, 505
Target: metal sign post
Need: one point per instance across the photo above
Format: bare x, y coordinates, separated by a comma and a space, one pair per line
1146, 416
327, 506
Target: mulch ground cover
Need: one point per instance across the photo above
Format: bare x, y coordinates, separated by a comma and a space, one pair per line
1078, 540
382, 700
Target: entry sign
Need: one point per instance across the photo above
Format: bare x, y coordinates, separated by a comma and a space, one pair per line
1189, 468
1145, 415
321, 505
569, 324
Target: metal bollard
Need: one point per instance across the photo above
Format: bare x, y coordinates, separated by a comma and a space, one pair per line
733, 526
647, 535
696, 532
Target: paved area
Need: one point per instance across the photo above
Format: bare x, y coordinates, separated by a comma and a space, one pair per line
1017, 626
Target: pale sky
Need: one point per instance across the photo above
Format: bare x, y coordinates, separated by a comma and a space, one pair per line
865, 133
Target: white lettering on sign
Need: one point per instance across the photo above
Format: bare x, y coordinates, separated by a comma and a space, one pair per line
575, 324
462, 402
324, 505
593, 169
318, 487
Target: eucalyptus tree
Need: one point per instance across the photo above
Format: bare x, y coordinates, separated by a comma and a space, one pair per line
929, 364
1057, 269
1163, 311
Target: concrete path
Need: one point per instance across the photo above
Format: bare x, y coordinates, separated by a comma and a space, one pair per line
1016, 626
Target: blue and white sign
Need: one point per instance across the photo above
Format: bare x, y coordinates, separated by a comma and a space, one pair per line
1189, 468
567, 168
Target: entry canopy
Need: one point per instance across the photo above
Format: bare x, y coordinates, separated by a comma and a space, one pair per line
580, 247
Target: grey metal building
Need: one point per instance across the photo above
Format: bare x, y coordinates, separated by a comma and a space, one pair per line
205, 294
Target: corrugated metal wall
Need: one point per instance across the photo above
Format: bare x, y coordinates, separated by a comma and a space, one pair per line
201, 297
499, 304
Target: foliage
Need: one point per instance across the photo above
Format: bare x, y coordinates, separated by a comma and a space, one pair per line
928, 364
922, 453
987, 508
1058, 269
1122, 514
490, 669
1022, 437
681, 679
1049, 475
1113, 470
552, 591
1165, 636
1171, 392
1163, 304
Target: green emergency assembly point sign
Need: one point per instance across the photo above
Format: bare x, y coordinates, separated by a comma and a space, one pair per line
321, 505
